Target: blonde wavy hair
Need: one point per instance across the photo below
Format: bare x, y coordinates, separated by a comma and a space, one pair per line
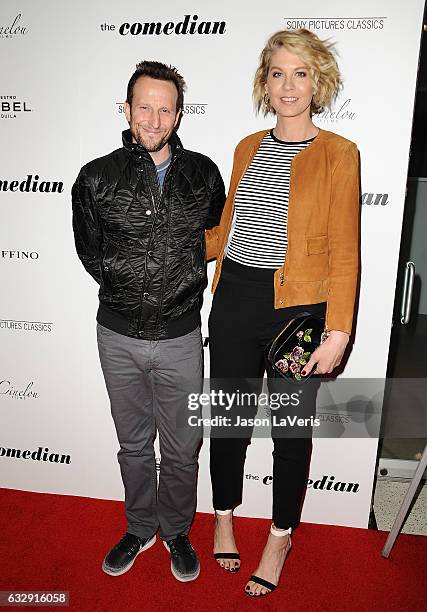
318, 55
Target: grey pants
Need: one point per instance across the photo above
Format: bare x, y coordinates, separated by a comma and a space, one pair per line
148, 383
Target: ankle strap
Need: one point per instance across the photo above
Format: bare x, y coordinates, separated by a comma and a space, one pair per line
280, 532
223, 512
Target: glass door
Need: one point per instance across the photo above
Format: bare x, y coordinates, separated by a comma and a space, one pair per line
408, 345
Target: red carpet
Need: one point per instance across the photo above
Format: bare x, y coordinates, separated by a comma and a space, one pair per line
53, 542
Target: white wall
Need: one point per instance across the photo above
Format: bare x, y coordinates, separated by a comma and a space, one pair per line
72, 76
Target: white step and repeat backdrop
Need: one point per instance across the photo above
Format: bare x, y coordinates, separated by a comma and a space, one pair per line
63, 76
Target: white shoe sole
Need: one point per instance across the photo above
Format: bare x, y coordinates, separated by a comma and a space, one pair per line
177, 576
149, 544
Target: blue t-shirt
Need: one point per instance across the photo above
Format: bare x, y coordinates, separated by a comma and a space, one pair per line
161, 171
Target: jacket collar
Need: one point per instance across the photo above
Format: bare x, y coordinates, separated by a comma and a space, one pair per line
137, 151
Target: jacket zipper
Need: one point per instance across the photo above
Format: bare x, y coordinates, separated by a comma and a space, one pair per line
166, 250
156, 210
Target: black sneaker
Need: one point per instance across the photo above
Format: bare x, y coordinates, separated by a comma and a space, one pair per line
122, 556
185, 565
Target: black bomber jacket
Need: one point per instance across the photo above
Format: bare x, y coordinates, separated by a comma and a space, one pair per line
146, 247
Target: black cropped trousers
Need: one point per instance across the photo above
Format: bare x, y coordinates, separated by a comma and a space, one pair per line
242, 323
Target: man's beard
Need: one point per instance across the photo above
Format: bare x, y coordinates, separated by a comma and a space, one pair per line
148, 144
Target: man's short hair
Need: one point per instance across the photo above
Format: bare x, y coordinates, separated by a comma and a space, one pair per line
162, 72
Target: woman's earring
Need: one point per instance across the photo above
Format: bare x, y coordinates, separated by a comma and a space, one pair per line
267, 101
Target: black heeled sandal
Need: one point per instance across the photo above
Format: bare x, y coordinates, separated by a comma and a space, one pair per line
222, 555
228, 556
261, 582
265, 583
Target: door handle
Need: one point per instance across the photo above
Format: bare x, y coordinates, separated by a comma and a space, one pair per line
408, 285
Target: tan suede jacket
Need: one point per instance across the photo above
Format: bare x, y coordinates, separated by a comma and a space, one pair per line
322, 259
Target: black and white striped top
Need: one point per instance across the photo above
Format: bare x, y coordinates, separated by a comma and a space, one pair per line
259, 235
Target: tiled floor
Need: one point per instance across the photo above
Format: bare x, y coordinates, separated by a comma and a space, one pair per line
388, 497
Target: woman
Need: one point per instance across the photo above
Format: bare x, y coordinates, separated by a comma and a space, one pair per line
286, 246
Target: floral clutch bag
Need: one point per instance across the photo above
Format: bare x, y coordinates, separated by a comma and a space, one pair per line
291, 349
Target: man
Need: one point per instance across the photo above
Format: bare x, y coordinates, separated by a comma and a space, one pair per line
139, 216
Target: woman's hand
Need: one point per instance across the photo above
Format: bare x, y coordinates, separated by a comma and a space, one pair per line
329, 354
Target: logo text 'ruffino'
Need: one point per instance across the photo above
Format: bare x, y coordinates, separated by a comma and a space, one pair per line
32, 184
189, 25
22, 255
